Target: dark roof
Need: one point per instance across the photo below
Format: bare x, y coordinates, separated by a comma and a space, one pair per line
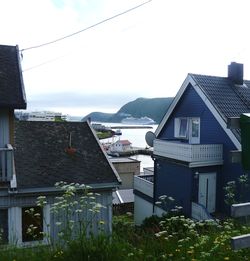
12, 94
41, 159
229, 99
123, 196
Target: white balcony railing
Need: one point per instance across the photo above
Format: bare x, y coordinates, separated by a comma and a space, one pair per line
6, 163
144, 185
207, 154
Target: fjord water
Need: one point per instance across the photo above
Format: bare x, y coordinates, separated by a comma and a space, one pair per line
137, 138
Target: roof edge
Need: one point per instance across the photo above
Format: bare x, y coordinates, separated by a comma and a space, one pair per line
21, 80
105, 154
190, 80
102, 186
173, 104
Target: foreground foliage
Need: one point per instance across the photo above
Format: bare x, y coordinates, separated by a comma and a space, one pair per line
172, 237
169, 238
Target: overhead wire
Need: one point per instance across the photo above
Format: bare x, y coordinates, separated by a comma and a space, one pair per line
84, 29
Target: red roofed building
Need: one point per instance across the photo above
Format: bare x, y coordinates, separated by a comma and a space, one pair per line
121, 145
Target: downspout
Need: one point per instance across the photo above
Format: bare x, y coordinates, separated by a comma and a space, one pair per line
154, 183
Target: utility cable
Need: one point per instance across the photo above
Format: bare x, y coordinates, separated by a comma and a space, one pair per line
85, 29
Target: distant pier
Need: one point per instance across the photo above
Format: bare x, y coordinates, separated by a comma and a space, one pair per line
131, 127
133, 151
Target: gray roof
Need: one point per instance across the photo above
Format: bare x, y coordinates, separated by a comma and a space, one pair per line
12, 94
229, 99
122, 196
41, 159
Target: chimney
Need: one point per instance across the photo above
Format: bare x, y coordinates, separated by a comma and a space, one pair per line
235, 73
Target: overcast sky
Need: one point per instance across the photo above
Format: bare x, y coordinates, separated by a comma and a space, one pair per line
147, 52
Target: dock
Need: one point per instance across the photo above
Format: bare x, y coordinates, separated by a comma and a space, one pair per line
133, 151
131, 127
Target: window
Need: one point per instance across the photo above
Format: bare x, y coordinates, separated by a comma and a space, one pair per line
195, 127
187, 128
32, 224
3, 226
181, 127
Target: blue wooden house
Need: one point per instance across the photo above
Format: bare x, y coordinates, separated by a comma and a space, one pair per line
193, 144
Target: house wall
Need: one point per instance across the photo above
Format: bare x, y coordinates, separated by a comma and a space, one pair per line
174, 181
4, 127
191, 105
14, 203
11, 126
126, 170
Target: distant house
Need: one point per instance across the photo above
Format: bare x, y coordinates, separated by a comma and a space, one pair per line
193, 144
127, 168
123, 197
36, 155
120, 146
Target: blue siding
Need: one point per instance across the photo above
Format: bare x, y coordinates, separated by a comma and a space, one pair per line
191, 105
175, 181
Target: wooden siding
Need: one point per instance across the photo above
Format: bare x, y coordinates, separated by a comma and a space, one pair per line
174, 181
6, 163
11, 126
4, 127
143, 185
15, 202
191, 105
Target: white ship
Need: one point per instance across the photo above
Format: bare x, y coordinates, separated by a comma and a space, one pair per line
138, 121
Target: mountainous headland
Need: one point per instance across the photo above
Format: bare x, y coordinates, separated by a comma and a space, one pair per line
153, 108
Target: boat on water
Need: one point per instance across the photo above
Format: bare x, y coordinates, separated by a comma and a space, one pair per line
118, 132
138, 121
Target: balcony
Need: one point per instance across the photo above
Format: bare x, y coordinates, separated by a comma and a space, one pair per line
195, 154
6, 163
144, 184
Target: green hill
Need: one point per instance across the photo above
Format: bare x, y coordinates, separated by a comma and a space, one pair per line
154, 108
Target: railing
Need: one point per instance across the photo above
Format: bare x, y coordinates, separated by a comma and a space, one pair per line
6, 163
193, 153
143, 184
199, 212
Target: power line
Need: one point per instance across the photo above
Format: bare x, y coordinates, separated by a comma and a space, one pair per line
85, 29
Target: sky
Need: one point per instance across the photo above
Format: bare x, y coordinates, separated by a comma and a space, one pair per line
146, 52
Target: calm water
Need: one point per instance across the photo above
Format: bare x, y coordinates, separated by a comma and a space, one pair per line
137, 138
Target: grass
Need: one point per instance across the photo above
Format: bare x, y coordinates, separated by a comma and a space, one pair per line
170, 238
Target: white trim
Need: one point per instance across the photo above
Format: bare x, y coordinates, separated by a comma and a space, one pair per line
97, 186
218, 117
119, 196
15, 225
191, 139
46, 224
172, 105
221, 121
205, 164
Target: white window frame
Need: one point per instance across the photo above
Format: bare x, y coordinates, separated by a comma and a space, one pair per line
15, 226
187, 134
177, 128
194, 139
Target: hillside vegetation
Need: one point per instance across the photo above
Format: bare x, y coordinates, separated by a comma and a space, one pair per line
154, 108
